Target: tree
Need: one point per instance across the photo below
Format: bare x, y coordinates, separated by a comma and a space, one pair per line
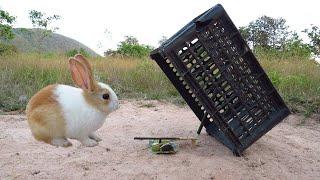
258, 34
6, 21
44, 23
314, 36
266, 32
130, 40
162, 40
40, 20
131, 47
279, 32
295, 47
245, 32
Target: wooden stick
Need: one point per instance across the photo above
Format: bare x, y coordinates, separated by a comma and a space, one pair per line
164, 138
202, 122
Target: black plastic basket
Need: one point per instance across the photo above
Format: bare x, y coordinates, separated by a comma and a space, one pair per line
216, 73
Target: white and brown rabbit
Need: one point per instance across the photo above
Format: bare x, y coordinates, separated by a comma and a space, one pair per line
58, 112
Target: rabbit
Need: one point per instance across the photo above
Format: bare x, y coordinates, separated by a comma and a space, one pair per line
58, 112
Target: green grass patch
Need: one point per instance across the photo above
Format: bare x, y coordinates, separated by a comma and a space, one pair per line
22, 75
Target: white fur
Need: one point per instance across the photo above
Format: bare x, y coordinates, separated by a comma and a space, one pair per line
81, 118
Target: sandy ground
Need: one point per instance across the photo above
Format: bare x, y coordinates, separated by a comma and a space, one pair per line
289, 151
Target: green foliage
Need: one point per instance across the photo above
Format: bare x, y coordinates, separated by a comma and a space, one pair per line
40, 20
6, 32
130, 40
5, 17
131, 47
270, 39
266, 32
133, 50
7, 49
245, 33
6, 21
314, 36
295, 47
73, 52
291, 50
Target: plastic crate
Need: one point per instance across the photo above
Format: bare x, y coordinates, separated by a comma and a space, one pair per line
216, 73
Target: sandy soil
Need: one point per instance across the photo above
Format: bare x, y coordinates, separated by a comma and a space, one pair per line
289, 151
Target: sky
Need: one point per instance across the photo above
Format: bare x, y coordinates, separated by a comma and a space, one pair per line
149, 20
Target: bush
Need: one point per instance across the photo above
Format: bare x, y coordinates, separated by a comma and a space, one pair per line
73, 52
7, 49
133, 50
298, 50
292, 51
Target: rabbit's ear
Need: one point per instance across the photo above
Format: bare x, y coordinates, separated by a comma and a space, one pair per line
80, 74
84, 61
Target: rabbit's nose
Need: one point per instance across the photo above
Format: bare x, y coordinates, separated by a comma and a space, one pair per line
116, 105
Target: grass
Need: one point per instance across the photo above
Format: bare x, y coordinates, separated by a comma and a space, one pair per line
22, 75
298, 82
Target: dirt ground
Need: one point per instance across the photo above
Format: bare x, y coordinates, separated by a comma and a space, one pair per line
289, 151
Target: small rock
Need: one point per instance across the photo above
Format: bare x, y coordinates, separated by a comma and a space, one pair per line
17, 154
86, 168
35, 172
107, 149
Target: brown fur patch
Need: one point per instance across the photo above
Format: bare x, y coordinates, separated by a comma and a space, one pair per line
43, 97
94, 98
45, 115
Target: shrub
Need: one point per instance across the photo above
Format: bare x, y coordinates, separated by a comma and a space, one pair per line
73, 52
292, 51
6, 49
133, 50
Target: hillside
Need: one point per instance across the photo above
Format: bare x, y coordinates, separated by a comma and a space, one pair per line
27, 40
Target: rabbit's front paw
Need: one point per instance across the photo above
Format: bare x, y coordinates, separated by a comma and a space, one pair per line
95, 137
88, 142
63, 142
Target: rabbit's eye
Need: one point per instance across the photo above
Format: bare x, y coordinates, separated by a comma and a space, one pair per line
105, 96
